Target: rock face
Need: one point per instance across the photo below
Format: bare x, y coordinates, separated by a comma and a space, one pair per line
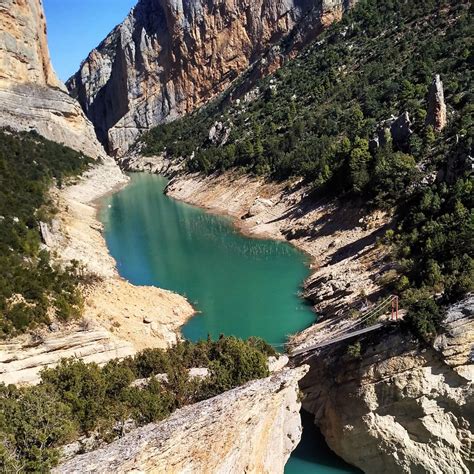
22, 362
51, 112
436, 116
24, 54
250, 429
31, 96
170, 56
398, 129
402, 406
219, 134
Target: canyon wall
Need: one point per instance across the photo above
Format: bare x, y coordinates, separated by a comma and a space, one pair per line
31, 96
24, 53
171, 56
399, 405
250, 429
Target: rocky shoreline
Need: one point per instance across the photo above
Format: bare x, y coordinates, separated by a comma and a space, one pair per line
341, 240
119, 318
397, 403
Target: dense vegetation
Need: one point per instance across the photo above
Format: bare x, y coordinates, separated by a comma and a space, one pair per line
77, 399
31, 288
316, 118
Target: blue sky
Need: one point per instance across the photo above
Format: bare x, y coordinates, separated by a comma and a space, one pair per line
75, 27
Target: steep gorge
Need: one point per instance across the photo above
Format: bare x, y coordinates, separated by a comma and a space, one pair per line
266, 417
171, 56
400, 405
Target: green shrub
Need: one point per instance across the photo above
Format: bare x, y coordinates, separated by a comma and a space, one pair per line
354, 350
77, 399
424, 318
29, 165
33, 424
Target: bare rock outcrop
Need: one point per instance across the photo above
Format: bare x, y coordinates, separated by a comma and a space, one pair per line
401, 406
219, 134
436, 116
250, 429
22, 361
31, 96
24, 53
156, 164
170, 56
51, 112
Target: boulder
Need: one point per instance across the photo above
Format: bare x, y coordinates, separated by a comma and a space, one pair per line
219, 134
260, 205
400, 129
253, 428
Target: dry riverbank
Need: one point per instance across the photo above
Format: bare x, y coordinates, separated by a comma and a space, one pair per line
119, 318
341, 239
143, 316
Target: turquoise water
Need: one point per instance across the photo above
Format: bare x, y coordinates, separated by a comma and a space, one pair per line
242, 287
313, 456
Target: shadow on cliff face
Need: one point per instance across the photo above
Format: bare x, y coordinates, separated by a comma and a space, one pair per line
313, 454
360, 246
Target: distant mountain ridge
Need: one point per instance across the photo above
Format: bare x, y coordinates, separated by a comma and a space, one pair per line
169, 57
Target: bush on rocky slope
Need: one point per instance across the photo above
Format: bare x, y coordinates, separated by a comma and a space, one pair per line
76, 399
31, 288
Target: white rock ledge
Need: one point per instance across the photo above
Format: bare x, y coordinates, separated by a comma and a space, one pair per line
251, 429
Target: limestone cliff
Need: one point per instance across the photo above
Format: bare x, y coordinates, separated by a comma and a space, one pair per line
170, 56
250, 429
21, 361
401, 406
31, 96
24, 53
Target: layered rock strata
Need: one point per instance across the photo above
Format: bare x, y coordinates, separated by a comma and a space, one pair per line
21, 362
250, 429
31, 96
50, 112
171, 56
399, 405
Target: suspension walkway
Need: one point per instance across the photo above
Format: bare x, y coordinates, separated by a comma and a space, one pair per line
356, 327
349, 335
